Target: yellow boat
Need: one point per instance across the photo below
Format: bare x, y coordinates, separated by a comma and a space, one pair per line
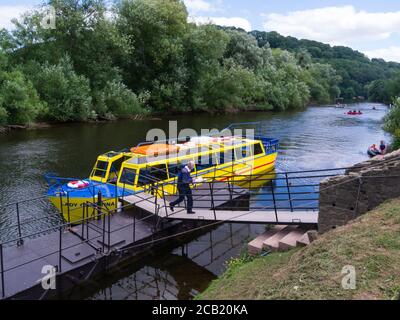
232, 158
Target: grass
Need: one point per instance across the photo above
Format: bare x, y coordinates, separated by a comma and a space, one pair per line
370, 243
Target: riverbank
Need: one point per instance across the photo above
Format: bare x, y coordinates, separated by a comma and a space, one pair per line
370, 243
44, 125
154, 116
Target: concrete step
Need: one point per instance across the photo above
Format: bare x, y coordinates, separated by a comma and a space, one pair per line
255, 246
307, 238
303, 241
290, 240
272, 243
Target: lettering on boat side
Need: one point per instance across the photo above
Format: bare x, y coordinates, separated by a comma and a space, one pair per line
201, 309
74, 204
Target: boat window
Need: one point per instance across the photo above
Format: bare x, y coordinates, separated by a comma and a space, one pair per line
221, 157
101, 168
115, 167
238, 153
206, 161
128, 176
247, 151
257, 149
152, 174
226, 156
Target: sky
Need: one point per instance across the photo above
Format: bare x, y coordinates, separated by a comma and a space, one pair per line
370, 26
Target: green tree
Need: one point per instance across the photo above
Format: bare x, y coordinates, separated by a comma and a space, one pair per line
323, 83
230, 87
19, 101
205, 47
83, 32
392, 123
117, 100
281, 82
243, 48
67, 94
156, 29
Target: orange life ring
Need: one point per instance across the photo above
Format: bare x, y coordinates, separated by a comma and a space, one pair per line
78, 184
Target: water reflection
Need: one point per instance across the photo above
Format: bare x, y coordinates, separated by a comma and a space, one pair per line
181, 274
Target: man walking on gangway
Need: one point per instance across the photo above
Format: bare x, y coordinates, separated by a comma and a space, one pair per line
184, 181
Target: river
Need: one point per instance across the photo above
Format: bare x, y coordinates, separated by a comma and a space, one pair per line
315, 138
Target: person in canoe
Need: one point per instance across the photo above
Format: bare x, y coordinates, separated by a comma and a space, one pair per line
373, 151
383, 147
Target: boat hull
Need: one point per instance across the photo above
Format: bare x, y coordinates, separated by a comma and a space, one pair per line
70, 202
73, 209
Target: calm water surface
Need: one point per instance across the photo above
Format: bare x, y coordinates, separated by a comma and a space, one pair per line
317, 138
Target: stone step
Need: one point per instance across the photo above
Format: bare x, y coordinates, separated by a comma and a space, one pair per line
272, 243
307, 238
303, 241
290, 240
255, 246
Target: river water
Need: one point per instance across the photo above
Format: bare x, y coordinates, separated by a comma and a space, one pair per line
316, 138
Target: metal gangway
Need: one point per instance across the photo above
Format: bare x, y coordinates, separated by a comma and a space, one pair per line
268, 198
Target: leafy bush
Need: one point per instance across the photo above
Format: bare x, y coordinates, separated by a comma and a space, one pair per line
66, 93
392, 119
230, 86
20, 103
392, 123
121, 101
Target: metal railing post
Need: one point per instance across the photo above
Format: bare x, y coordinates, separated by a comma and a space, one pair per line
212, 199
155, 198
83, 220
116, 197
165, 203
60, 250
274, 201
61, 204
20, 240
230, 189
104, 233
134, 228
108, 231
87, 221
288, 189
2, 271
123, 197
68, 207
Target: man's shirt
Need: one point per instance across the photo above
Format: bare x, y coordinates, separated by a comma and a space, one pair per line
184, 176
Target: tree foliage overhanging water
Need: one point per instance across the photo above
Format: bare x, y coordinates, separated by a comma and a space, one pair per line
143, 56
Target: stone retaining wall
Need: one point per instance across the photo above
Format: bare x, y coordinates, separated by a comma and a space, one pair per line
362, 188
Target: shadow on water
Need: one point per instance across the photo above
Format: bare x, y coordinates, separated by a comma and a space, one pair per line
318, 137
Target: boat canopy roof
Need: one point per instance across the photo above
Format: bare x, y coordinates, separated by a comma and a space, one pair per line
154, 151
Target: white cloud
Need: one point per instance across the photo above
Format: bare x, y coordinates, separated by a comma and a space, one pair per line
223, 21
389, 54
335, 25
7, 13
195, 6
